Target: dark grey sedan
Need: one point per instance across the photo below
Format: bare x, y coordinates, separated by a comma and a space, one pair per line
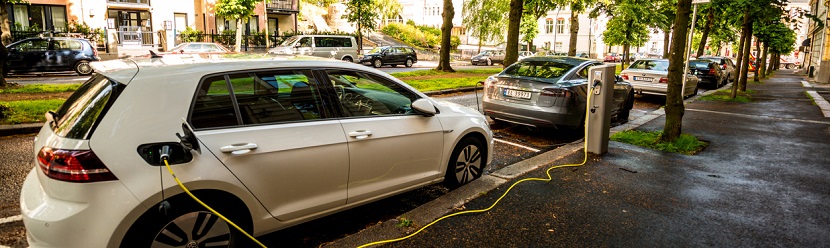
548, 92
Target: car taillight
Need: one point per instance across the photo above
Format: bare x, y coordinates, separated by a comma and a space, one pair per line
723, 67
554, 92
79, 166
624, 76
713, 72
664, 80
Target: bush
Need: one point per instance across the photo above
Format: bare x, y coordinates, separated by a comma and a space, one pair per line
418, 36
191, 35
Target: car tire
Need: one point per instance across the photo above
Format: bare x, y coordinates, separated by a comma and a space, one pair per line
83, 68
348, 59
377, 63
466, 163
789, 66
408, 63
188, 222
489, 62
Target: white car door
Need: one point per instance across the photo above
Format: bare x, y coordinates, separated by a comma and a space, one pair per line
390, 147
278, 140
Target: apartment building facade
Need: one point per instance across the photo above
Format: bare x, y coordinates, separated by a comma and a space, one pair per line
134, 26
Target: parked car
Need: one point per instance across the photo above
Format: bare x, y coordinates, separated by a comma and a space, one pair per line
488, 57
269, 144
340, 47
525, 54
726, 65
582, 54
548, 92
708, 72
204, 48
390, 55
650, 76
612, 57
51, 54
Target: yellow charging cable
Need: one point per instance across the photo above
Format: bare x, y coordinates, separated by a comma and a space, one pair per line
584, 148
208, 207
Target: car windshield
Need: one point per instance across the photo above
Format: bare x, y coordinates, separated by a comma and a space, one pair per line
377, 49
547, 70
485, 53
657, 65
179, 47
290, 41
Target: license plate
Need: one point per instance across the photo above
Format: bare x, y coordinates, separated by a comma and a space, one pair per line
517, 94
647, 79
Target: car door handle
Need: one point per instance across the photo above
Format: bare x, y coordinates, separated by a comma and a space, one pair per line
237, 149
361, 134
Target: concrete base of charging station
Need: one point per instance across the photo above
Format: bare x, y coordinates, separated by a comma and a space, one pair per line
455, 199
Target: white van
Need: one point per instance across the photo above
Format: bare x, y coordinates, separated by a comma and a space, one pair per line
340, 47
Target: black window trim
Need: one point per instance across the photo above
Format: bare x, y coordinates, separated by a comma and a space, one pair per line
325, 112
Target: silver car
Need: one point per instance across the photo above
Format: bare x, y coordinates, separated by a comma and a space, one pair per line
548, 92
650, 76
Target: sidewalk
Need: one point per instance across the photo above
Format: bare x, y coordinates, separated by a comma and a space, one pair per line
764, 180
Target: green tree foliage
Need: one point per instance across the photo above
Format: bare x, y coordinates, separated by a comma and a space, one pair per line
418, 36
537, 9
321, 3
667, 10
482, 18
388, 9
529, 28
363, 14
241, 10
629, 23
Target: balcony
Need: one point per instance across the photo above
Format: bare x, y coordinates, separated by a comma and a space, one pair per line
281, 7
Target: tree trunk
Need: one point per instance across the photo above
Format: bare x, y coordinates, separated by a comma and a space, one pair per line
762, 68
777, 62
624, 61
674, 98
666, 42
747, 52
757, 62
512, 50
710, 17
237, 44
446, 32
771, 63
741, 65
574, 32
738, 60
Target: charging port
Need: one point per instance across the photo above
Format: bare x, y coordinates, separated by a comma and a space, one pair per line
175, 153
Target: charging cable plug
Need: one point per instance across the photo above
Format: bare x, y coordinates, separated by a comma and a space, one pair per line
165, 153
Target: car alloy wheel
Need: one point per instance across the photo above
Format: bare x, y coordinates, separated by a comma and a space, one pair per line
83, 68
195, 229
377, 63
489, 62
408, 62
466, 163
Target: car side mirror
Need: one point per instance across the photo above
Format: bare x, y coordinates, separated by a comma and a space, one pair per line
424, 107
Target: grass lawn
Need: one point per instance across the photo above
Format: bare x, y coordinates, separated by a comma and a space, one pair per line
41, 88
685, 144
432, 80
27, 111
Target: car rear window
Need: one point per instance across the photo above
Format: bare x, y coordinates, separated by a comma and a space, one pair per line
657, 65
699, 64
538, 69
79, 115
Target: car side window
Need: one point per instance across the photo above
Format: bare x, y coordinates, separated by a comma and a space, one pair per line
305, 42
213, 106
276, 96
66, 45
583, 73
33, 46
362, 94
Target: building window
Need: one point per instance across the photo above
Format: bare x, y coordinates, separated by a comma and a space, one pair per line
560, 26
549, 26
558, 46
223, 24
36, 17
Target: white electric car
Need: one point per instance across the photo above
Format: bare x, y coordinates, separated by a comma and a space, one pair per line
269, 144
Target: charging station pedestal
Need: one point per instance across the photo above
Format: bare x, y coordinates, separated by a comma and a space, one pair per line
601, 89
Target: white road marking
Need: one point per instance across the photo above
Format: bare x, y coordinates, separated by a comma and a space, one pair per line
806, 84
11, 219
518, 145
822, 104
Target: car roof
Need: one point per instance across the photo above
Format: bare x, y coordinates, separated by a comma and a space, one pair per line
186, 67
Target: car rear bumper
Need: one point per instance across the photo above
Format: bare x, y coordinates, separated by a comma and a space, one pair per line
649, 88
570, 116
91, 221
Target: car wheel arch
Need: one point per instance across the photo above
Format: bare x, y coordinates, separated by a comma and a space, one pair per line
213, 197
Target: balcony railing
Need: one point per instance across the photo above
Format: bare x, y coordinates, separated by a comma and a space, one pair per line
281, 5
147, 2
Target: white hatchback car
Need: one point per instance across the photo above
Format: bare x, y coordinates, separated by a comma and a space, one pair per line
269, 144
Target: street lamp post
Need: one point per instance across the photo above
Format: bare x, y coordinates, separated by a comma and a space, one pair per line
689, 44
